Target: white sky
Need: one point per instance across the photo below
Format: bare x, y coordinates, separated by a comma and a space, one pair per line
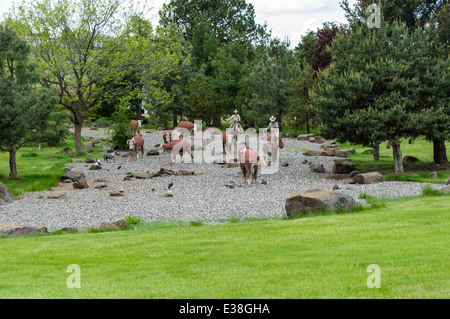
286, 18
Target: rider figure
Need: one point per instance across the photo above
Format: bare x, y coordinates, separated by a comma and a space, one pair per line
272, 125
236, 120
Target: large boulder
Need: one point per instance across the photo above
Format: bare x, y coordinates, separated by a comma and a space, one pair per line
316, 200
447, 182
73, 175
343, 166
12, 229
5, 194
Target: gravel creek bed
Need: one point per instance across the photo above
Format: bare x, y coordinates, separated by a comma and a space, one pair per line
219, 193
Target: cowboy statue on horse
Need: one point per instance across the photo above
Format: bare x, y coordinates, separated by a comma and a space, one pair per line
236, 127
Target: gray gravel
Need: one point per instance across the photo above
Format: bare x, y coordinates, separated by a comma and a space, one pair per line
218, 193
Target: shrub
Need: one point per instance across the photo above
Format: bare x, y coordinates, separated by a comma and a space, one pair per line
132, 220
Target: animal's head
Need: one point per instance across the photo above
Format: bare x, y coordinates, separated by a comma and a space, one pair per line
261, 162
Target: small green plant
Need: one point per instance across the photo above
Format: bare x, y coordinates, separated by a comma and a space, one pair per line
132, 220
427, 190
196, 223
363, 196
40, 196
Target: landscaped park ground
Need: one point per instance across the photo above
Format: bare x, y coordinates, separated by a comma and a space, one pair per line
326, 256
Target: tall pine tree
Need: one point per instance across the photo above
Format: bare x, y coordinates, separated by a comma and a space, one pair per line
25, 108
369, 92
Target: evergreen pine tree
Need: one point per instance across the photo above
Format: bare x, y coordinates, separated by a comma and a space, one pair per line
25, 108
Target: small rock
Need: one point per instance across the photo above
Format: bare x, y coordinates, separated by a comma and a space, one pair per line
69, 229
66, 150
318, 168
81, 184
41, 228
117, 194
90, 160
168, 195
434, 175
57, 196
445, 190
410, 159
95, 167
335, 187
447, 182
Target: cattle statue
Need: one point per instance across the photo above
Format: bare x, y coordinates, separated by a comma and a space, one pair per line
136, 145
136, 126
249, 161
177, 147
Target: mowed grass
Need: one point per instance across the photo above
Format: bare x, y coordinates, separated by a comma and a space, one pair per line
420, 149
313, 257
40, 170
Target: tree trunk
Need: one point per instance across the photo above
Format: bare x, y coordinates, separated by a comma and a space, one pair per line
398, 158
376, 151
77, 137
139, 112
217, 122
174, 119
12, 162
439, 152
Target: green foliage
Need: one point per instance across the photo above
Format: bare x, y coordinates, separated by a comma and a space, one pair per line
133, 220
120, 132
99, 55
301, 113
27, 111
427, 190
268, 85
200, 100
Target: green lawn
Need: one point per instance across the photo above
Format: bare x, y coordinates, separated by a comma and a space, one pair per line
313, 257
420, 149
42, 169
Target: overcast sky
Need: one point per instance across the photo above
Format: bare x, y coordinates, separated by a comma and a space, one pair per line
286, 18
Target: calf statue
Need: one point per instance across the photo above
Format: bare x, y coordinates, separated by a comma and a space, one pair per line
136, 144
